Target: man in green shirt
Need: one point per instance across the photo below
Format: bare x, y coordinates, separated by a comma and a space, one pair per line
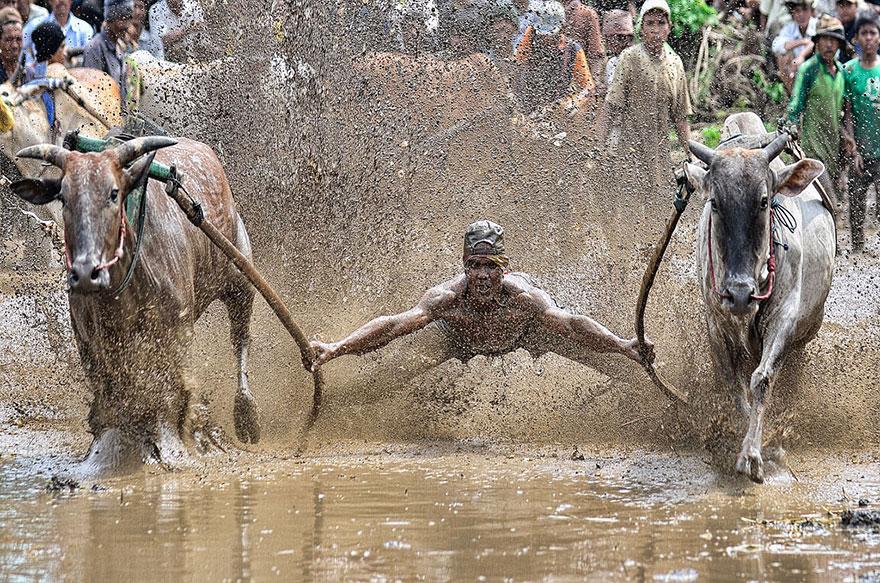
861, 124
817, 99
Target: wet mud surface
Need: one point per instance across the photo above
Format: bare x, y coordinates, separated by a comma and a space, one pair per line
444, 511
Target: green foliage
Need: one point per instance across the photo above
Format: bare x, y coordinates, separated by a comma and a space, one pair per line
774, 91
711, 136
690, 16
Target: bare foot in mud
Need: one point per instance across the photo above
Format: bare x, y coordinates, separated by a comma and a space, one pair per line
247, 426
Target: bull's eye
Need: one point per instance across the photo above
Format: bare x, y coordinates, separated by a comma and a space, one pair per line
114, 194
764, 202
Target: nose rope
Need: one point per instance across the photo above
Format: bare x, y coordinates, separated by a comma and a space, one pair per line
771, 265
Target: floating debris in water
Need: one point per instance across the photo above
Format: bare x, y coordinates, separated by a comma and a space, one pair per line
860, 519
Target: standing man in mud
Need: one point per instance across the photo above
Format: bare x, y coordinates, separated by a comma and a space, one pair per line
648, 94
551, 67
489, 311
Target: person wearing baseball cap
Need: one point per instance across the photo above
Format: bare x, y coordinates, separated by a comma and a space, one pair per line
489, 311
817, 99
551, 67
794, 42
647, 95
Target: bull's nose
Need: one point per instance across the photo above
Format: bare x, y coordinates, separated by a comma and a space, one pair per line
739, 295
85, 277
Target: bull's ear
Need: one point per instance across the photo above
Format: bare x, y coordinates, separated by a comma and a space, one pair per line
135, 172
794, 178
695, 175
37, 190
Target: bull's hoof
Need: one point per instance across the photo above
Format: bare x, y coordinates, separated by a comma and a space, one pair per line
751, 465
247, 426
111, 453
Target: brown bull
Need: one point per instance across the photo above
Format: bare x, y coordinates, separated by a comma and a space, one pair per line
133, 343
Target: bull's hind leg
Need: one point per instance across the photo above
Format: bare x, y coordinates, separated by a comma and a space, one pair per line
239, 300
749, 461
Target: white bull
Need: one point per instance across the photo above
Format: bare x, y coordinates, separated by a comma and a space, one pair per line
764, 285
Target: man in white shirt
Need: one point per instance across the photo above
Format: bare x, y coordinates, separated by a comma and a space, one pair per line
77, 33
180, 24
794, 42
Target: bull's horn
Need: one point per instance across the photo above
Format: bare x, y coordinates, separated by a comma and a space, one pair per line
49, 152
775, 147
703, 153
133, 149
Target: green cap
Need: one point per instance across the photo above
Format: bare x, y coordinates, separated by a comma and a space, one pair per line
484, 232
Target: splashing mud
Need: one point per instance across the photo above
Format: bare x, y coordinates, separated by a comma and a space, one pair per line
355, 171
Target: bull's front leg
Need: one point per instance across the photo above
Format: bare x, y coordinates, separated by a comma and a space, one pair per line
749, 461
240, 307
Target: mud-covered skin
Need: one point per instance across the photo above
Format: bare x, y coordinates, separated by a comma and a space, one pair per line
134, 347
750, 338
485, 312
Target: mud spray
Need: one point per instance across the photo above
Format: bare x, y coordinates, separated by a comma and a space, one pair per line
356, 172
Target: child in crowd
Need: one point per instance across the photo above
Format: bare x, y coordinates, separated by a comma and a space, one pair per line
861, 124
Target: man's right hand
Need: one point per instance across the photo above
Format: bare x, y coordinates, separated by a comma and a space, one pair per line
324, 352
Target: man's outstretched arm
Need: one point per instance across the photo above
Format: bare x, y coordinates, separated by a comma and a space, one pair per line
586, 331
380, 331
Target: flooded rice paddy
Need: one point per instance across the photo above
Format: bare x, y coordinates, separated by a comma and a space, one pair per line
425, 512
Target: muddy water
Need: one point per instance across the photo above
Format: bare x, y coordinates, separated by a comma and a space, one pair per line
438, 516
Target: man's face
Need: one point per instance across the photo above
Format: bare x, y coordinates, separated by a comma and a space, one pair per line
615, 43
61, 8
869, 38
846, 11
117, 27
484, 277
10, 42
58, 57
827, 48
801, 14
655, 30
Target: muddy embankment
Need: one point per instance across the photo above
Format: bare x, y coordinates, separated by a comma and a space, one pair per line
356, 174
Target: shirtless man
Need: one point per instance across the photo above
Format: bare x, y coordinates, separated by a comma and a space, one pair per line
489, 311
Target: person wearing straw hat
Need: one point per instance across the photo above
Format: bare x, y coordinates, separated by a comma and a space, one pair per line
817, 99
488, 310
647, 95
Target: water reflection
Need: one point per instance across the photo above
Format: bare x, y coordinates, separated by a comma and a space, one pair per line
443, 518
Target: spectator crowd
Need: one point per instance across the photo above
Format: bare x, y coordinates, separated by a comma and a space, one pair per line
609, 58
612, 57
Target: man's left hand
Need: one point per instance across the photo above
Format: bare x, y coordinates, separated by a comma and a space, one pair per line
641, 353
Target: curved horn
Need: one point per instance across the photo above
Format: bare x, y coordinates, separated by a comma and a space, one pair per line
775, 147
133, 149
703, 153
49, 152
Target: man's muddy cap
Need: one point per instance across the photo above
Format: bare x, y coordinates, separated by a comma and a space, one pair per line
794, 3
829, 26
487, 233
